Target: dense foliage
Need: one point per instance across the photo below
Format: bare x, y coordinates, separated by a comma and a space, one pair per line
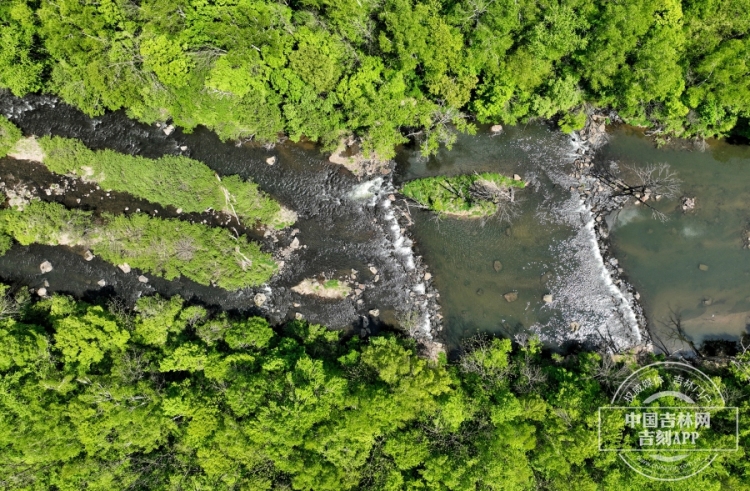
455, 196
380, 69
164, 247
171, 396
170, 180
9, 135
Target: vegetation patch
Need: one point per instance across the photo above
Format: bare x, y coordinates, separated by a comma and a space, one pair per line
9, 135
470, 195
178, 181
163, 247
331, 289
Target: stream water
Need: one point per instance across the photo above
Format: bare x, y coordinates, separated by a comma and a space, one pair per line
548, 250
663, 260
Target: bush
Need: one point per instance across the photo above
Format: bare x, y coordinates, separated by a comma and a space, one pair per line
452, 195
9, 135
170, 180
164, 247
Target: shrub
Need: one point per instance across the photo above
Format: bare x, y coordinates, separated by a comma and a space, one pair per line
171, 180
164, 247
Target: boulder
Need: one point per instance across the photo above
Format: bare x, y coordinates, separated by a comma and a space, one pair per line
259, 299
497, 266
511, 296
45, 267
125, 267
687, 203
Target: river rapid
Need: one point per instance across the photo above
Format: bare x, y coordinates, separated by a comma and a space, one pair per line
436, 278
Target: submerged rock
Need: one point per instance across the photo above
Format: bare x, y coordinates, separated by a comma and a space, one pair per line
511, 296
259, 299
703, 267
497, 266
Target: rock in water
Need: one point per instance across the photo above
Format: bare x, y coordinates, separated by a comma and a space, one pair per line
496, 128
125, 267
707, 301
101, 283
88, 256
703, 267
497, 266
42, 292
374, 313
142, 279
516, 177
45, 267
511, 296
168, 130
259, 299
271, 160
547, 298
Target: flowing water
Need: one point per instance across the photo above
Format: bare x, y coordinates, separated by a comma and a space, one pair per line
663, 260
340, 228
351, 224
548, 249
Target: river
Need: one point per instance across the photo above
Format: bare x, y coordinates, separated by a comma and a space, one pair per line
548, 253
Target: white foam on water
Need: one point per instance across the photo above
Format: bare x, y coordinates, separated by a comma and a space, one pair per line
366, 190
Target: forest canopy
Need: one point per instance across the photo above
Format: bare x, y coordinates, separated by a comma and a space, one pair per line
382, 70
173, 396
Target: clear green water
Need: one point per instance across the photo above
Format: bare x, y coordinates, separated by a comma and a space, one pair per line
662, 259
545, 250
